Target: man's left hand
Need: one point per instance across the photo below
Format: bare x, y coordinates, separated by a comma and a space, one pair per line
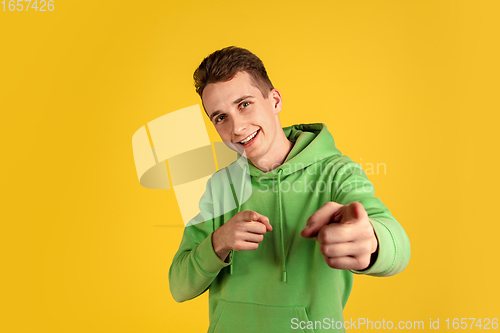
345, 235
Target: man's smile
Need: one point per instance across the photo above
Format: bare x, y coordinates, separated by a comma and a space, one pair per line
249, 139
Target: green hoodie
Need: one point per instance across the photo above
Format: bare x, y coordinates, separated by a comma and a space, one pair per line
285, 285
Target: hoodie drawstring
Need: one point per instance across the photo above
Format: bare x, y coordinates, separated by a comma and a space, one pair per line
232, 253
282, 239
283, 259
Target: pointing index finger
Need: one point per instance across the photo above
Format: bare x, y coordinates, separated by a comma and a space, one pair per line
320, 218
251, 216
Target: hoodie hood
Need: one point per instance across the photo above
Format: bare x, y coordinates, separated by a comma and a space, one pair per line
311, 144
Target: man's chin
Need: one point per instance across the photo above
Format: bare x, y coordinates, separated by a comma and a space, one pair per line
236, 147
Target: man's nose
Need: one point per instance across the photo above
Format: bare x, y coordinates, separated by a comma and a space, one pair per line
239, 125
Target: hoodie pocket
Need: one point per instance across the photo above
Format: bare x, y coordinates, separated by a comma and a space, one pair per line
257, 318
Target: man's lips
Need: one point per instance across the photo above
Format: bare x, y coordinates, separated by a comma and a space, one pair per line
249, 138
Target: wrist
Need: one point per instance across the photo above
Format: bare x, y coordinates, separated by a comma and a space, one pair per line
219, 247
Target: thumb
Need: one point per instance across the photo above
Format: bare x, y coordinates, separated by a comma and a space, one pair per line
353, 212
320, 218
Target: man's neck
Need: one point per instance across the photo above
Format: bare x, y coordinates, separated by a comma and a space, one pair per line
269, 163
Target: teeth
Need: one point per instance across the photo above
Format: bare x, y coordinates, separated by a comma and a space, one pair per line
249, 138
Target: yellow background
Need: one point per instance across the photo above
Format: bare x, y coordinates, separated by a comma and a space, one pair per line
412, 84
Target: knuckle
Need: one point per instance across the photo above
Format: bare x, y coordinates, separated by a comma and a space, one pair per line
324, 236
237, 246
364, 261
363, 249
248, 214
321, 237
327, 250
324, 249
331, 262
367, 247
330, 204
367, 229
369, 234
237, 235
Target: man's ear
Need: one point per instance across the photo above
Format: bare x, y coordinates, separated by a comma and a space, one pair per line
276, 99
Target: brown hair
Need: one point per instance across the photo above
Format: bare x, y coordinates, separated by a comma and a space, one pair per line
224, 64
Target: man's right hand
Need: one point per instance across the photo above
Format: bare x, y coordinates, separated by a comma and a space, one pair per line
243, 232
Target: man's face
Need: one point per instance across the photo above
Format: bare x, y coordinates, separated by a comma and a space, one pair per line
241, 115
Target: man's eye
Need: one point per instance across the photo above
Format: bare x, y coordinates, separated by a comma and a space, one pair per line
245, 104
220, 118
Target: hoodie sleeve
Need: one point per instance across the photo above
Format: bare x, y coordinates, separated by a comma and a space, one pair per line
351, 184
196, 265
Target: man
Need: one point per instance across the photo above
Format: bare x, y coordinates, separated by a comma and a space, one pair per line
284, 258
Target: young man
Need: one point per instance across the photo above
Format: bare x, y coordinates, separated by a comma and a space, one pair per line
284, 258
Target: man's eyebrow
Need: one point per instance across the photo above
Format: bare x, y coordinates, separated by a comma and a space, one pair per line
236, 101
214, 114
